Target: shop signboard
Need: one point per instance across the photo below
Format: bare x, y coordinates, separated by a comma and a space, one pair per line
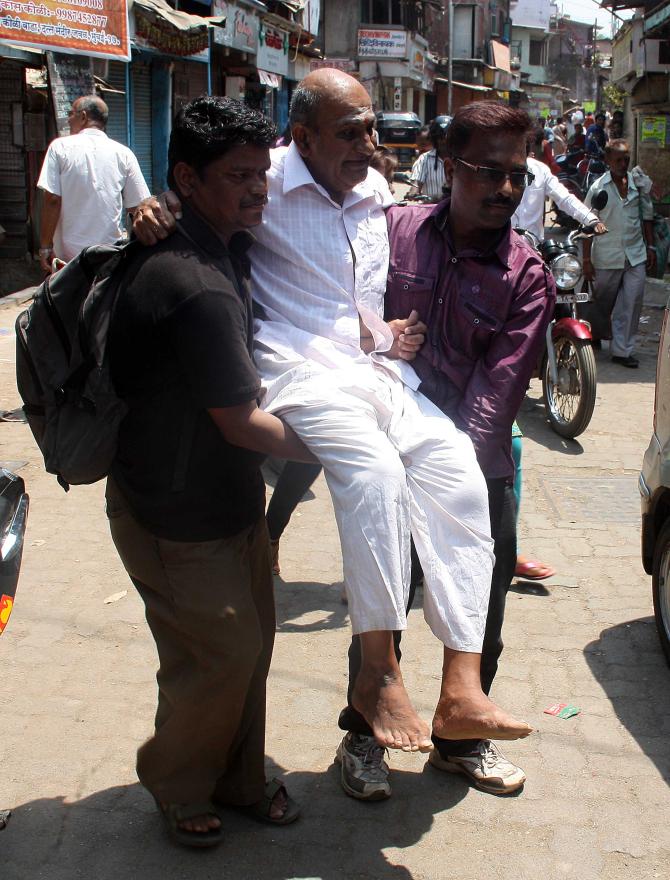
311, 16
272, 49
417, 59
652, 129
240, 30
94, 28
382, 43
428, 80
345, 64
531, 13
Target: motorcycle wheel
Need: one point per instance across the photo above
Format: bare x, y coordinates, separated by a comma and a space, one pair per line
571, 401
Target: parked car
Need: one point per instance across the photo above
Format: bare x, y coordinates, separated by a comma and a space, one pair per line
399, 131
654, 486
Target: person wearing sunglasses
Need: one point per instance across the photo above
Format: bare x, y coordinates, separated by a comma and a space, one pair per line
486, 298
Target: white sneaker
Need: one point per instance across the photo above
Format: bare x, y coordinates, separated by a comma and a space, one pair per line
365, 773
486, 766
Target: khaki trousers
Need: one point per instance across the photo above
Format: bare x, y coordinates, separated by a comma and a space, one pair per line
210, 608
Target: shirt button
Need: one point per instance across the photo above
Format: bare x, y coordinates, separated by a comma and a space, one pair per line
476, 321
454, 260
440, 301
475, 288
405, 287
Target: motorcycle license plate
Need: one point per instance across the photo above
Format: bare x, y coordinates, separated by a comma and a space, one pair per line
573, 297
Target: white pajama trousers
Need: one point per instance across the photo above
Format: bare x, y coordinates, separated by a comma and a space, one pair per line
394, 463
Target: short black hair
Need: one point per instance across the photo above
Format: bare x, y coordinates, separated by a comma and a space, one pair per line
437, 131
208, 127
491, 117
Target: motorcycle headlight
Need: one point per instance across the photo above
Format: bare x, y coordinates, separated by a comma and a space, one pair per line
567, 270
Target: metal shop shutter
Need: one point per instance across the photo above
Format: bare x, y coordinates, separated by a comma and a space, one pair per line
141, 119
13, 194
117, 127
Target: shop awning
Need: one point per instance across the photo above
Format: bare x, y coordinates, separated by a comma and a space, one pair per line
25, 54
294, 5
181, 21
462, 85
170, 30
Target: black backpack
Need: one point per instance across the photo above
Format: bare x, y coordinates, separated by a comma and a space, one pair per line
62, 367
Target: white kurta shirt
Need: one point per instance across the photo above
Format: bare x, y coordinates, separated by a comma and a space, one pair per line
96, 178
317, 266
530, 213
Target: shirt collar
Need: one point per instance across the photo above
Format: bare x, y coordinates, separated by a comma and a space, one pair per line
200, 231
95, 132
297, 174
502, 251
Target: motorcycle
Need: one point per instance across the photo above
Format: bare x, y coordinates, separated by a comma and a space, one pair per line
13, 516
567, 366
578, 172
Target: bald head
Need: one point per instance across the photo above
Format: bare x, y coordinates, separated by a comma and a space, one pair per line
89, 111
321, 87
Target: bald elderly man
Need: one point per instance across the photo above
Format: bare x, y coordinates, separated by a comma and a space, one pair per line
87, 180
339, 375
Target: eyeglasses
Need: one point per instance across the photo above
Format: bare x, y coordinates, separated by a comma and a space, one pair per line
497, 175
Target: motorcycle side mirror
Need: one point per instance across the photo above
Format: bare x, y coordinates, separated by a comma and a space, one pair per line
600, 200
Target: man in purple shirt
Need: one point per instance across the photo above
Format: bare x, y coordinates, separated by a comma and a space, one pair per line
487, 299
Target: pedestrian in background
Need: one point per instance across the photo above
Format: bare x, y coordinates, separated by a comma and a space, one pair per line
617, 263
427, 176
87, 179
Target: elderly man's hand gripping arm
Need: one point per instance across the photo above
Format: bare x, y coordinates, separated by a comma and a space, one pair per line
155, 218
409, 335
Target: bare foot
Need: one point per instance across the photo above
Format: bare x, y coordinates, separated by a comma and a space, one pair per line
199, 824
279, 805
471, 715
382, 700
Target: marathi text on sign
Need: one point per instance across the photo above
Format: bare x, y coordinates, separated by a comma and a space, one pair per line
380, 43
82, 27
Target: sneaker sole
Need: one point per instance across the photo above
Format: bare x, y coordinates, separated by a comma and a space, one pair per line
436, 761
379, 795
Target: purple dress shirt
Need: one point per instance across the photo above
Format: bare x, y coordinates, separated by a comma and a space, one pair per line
486, 314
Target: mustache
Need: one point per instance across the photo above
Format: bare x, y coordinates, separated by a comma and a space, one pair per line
502, 201
255, 203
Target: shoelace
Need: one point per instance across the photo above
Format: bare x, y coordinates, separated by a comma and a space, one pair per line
372, 757
489, 754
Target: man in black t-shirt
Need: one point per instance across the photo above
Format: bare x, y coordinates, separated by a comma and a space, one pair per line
185, 498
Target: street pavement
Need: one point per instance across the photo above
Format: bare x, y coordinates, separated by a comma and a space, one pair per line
79, 691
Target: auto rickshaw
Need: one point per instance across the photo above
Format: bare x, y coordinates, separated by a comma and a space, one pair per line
399, 131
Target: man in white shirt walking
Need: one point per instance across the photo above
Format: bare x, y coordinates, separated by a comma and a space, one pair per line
87, 179
530, 213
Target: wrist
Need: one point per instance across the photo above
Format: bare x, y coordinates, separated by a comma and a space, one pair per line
45, 250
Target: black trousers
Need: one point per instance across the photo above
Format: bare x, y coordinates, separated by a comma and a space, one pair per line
294, 481
502, 510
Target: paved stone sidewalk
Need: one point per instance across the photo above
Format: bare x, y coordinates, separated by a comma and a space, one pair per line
78, 690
